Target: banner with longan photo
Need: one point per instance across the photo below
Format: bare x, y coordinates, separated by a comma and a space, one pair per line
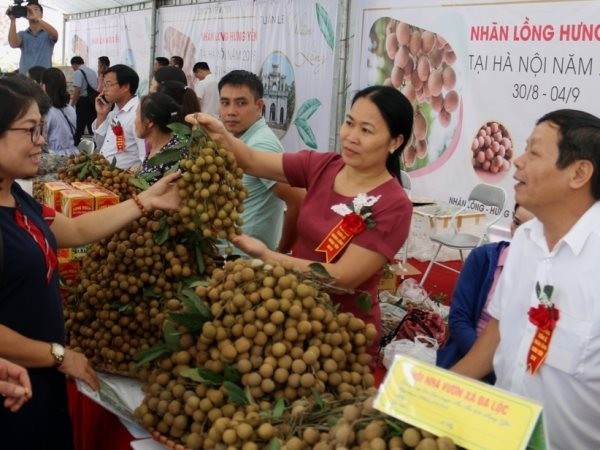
479, 76
288, 44
124, 38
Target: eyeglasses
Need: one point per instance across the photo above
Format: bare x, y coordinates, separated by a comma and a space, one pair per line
108, 84
35, 132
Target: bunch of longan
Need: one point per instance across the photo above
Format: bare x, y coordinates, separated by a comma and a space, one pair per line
126, 285
212, 189
281, 335
95, 168
359, 426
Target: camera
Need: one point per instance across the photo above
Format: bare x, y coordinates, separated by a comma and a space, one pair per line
17, 10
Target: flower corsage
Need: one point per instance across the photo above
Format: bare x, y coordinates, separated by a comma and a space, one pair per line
356, 218
117, 130
544, 317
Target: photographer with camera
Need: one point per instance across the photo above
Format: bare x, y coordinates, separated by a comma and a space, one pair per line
37, 41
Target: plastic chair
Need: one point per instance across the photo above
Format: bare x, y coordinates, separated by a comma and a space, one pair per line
486, 194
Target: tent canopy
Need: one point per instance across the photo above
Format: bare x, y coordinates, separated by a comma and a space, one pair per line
79, 6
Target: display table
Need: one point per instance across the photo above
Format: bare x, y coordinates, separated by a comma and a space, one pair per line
94, 428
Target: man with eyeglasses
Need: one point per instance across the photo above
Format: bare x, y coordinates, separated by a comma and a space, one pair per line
36, 42
114, 127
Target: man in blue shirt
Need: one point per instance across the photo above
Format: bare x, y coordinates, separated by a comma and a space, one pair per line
241, 98
36, 42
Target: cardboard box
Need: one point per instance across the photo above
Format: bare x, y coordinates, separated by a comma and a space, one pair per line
52, 191
74, 202
103, 198
83, 185
68, 272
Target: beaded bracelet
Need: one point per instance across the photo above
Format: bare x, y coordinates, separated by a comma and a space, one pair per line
138, 202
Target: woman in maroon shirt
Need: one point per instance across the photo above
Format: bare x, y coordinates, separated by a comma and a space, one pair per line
356, 215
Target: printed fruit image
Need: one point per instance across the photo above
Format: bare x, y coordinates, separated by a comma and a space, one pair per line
492, 148
419, 63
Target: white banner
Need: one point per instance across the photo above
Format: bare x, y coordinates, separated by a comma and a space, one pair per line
491, 72
125, 38
288, 44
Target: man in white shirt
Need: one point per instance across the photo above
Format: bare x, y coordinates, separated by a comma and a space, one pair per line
81, 99
114, 127
207, 89
558, 181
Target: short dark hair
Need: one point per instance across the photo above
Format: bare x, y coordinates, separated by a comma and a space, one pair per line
34, 2
161, 109
202, 65
162, 61
19, 93
125, 75
104, 60
163, 74
182, 94
35, 73
579, 139
243, 78
77, 60
397, 112
177, 61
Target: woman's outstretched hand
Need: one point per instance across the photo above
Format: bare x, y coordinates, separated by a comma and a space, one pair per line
163, 194
252, 246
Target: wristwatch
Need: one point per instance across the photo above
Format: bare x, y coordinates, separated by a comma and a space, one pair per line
58, 353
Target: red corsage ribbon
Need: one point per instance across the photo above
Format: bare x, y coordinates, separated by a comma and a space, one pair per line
353, 223
544, 317
350, 225
117, 130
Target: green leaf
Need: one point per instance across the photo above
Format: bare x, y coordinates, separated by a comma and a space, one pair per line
548, 289
308, 108
325, 25
365, 303
305, 132
84, 171
180, 129
169, 156
150, 354
279, 408
193, 321
538, 289
319, 269
395, 428
171, 336
194, 281
275, 444
200, 257
317, 397
95, 172
174, 168
194, 303
126, 309
232, 374
235, 393
162, 235
149, 292
192, 374
149, 176
139, 183
113, 163
210, 377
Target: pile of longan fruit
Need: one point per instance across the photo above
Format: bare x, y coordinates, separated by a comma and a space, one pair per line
121, 295
126, 284
279, 333
422, 70
95, 168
